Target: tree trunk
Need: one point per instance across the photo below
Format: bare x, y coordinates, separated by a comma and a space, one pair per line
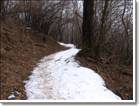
87, 25
2, 9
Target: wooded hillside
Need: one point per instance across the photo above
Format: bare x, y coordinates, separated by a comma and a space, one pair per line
102, 29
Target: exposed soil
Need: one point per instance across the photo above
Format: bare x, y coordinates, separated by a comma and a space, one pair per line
20, 50
118, 78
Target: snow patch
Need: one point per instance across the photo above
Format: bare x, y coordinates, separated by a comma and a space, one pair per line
11, 97
67, 45
60, 77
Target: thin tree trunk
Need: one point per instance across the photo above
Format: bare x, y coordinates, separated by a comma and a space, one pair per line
126, 35
100, 41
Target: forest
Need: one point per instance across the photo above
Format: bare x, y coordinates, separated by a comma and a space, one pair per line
102, 30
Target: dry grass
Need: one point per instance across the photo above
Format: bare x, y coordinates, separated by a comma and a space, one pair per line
118, 78
19, 52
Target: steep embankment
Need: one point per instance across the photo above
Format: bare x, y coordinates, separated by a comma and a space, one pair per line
20, 50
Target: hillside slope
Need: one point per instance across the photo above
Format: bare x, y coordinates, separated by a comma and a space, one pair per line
20, 49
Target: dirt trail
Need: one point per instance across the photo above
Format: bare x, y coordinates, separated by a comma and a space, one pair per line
60, 77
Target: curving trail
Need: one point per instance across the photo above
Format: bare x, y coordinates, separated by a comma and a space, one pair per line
60, 77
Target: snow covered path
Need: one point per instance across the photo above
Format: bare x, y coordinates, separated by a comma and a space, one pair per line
60, 77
